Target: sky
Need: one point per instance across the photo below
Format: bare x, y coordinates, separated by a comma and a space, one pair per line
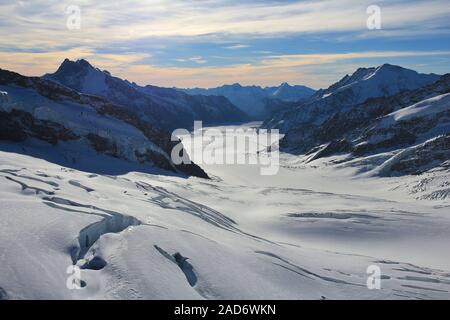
207, 43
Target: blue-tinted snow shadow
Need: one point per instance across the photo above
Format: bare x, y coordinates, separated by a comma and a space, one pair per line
78, 157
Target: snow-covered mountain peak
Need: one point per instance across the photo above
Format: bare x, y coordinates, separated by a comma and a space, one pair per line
74, 67
81, 76
388, 71
395, 78
383, 80
84, 63
234, 86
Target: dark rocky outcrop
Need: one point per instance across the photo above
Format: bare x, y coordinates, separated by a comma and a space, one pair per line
401, 138
103, 145
430, 154
332, 148
18, 125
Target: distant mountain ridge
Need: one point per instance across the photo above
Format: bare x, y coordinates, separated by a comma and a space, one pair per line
254, 100
163, 107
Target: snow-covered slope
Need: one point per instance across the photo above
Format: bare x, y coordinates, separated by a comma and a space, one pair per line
254, 100
303, 234
47, 111
419, 135
286, 92
385, 80
163, 107
424, 109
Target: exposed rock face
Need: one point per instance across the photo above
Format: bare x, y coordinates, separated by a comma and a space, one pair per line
397, 139
332, 148
18, 125
155, 158
42, 109
11, 128
423, 157
103, 145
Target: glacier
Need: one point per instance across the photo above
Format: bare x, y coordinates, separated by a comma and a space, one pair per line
309, 232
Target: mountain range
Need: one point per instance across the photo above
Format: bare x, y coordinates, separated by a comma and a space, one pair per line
364, 83
162, 107
388, 114
256, 101
362, 115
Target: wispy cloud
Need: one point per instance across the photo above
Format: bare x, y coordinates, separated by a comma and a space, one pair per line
317, 70
297, 60
43, 23
197, 59
237, 46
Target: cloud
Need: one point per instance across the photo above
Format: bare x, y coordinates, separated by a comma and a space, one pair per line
237, 46
198, 59
122, 36
43, 23
296, 60
316, 70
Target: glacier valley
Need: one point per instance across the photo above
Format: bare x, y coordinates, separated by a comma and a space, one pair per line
309, 232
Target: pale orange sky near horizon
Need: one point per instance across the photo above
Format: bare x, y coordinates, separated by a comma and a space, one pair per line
123, 66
